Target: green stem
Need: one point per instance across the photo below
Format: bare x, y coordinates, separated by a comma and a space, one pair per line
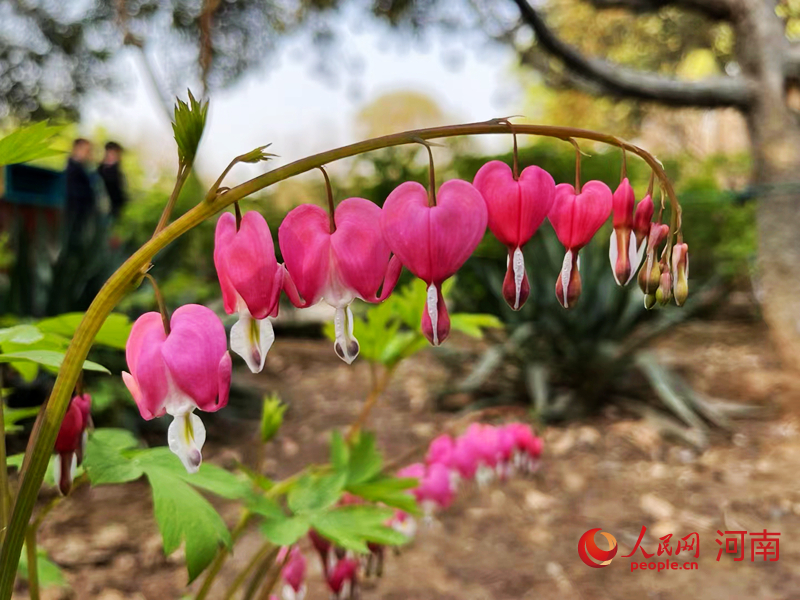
262, 569
5, 492
183, 175
258, 557
222, 556
275, 573
33, 565
126, 277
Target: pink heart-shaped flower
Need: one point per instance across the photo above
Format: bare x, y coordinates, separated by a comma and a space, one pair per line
577, 217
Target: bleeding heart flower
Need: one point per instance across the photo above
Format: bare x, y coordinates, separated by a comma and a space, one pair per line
624, 251
337, 266
441, 450
434, 241
680, 273
293, 573
177, 373
576, 218
71, 441
642, 218
251, 282
516, 209
342, 579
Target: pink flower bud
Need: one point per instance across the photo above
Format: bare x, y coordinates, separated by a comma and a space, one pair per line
650, 273
294, 571
177, 373
71, 441
664, 291
624, 252
434, 241
343, 578
440, 451
516, 209
642, 218
680, 273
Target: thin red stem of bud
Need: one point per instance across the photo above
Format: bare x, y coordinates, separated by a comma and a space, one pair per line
624, 168
162, 307
577, 165
329, 190
431, 177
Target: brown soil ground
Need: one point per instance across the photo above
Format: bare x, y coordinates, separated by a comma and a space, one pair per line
513, 540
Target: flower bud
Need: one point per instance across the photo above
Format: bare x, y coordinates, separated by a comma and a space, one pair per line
650, 273
568, 284
649, 301
664, 291
272, 411
642, 218
680, 273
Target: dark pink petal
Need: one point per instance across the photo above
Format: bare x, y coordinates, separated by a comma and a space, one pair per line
516, 288
516, 208
642, 218
193, 351
71, 430
304, 238
623, 202
457, 225
576, 218
440, 450
405, 222
224, 371
360, 253
246, 261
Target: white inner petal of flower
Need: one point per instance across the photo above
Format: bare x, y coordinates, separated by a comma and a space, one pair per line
251, 339
566, 275
635, 255
519, 274
186, 436
433, 312
345, 343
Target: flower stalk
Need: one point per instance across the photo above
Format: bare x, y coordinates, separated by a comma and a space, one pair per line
129, 275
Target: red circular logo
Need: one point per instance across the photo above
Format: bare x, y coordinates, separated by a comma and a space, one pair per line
591, 553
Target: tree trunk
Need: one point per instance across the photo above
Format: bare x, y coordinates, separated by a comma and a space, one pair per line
775, 136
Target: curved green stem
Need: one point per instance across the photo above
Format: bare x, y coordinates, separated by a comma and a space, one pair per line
222, 555
129, 275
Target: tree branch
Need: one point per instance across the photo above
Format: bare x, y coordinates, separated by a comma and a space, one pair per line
632, 83
719, 10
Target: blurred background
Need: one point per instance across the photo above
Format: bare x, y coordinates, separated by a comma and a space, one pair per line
680, 420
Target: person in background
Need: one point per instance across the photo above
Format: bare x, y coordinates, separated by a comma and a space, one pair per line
81, 202
111, 174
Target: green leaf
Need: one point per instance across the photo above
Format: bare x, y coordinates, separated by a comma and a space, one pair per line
113, 333
266, 507
389, 491
105, 462
210, 477
340, 453
21, 334
354, 525
50, 575
11, 416
183, 515
118, 439
29, 143
365, 460
285, 531
47, 358
474, 324
316, 492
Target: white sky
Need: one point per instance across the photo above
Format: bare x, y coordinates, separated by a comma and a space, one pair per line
287, 104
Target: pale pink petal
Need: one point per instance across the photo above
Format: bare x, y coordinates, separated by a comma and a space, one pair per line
193, 351
148, 381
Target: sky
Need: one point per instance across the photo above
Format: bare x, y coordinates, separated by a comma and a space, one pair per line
287, 104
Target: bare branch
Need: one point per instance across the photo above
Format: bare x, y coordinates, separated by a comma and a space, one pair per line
633, 83
719, 10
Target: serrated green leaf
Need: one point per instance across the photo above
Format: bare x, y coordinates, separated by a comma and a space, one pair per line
210, 477
266, 507
21, 334
188, 125
118, 439
340, 453
285, 531
389, 491
49, 573
47, 358
353, 525
105, 463
365, 460
29, 143
183, 515
113, 333
315, 492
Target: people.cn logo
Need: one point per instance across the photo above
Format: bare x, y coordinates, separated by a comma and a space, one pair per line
591, 553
